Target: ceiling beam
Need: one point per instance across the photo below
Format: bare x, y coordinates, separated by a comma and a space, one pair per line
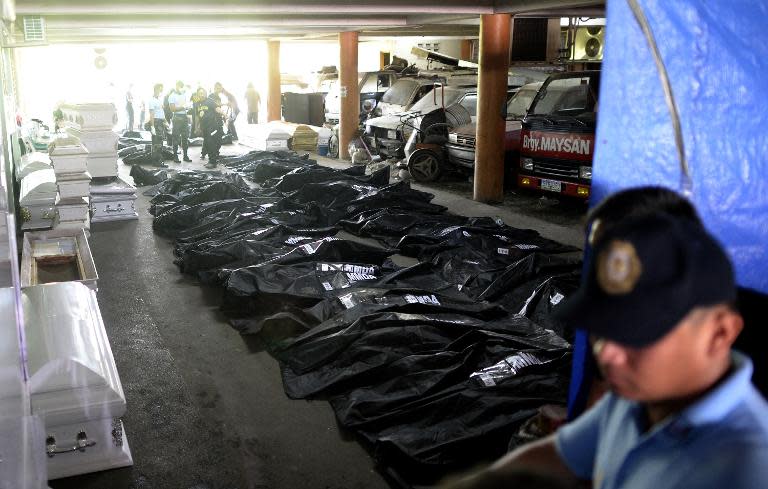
522, 6
289, 7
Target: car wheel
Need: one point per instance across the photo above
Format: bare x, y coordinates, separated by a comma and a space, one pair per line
333, 146
425, 165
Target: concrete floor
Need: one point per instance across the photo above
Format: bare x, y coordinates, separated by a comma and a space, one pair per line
206, 408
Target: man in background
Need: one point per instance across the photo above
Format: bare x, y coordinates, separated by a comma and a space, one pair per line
129, 106
211, 120
233, 112
157, 124
253, 99
179, 102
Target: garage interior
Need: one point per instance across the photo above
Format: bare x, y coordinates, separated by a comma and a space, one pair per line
205, 389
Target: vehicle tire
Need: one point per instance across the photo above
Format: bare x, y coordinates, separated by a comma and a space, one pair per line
425, 165
333, 146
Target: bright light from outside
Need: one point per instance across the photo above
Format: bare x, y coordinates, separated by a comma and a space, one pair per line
67, 73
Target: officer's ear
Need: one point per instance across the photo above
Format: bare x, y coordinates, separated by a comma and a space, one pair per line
725, 324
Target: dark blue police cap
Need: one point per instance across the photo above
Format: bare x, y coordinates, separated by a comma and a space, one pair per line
646, 275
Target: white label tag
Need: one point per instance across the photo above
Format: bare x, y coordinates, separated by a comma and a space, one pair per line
487, 380
295, 239
526, 246
421, 299
327, 286
346, 301
503, 251
555, 300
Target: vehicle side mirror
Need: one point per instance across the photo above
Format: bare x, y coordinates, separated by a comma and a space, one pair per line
504, 112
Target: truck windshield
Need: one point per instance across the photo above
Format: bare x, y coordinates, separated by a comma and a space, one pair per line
566, 96
400, 93
518, 105
427, 102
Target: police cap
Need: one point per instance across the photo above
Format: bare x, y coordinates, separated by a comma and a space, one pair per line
645, 276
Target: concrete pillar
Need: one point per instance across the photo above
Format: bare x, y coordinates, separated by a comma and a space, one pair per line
274, 102
466, 49
495, 31
350, 93
553, 40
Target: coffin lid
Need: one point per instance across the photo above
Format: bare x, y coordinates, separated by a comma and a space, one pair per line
72, 370
119, 186
66, 147
38, 188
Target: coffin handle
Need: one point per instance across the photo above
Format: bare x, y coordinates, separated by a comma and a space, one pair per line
81, 443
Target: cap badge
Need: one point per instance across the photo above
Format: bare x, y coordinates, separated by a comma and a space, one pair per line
618, 268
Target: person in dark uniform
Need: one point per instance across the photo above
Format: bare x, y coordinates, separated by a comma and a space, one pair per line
180, 103
212, 123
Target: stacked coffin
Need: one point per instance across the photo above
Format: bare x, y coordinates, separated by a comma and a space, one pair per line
92, 124
32, 162
37, 200
69, 158
113, 201
74, 385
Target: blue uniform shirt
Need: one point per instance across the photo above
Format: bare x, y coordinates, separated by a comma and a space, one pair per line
720, 441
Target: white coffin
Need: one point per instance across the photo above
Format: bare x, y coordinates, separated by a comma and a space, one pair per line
114, 207
74, 384
106, 447
115, 186
266, 137
59, 225
102, 165
38, 188
73, 210
113, 201
73, 185
68, 155
56, 256
32, 162
90, 117
96, 141
37, 217
37, 197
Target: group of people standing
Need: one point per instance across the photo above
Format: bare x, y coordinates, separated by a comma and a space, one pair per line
180, 115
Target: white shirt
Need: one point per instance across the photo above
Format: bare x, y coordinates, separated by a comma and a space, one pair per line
179, 100
156, 108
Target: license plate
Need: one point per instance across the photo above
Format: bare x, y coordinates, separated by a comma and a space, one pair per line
551, 185
275, 144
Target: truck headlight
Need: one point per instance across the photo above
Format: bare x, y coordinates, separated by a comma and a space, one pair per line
368, 129
585, 172
526, 163
452, 137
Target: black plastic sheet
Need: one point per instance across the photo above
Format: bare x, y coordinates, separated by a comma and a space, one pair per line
143, 177
308, 271
435, 364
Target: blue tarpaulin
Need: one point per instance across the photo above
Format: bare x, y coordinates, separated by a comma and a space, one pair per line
716, 56
716, 59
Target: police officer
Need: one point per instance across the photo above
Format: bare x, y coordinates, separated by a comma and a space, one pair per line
157, 124
212, 124
179, 102
657, 301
